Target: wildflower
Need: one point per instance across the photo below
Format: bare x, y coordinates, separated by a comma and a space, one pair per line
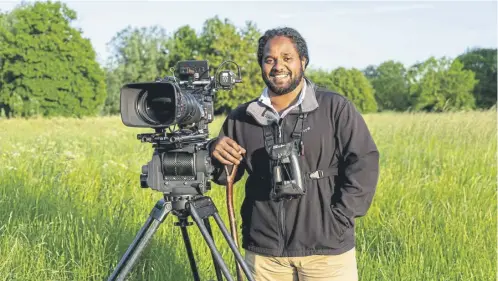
69, 155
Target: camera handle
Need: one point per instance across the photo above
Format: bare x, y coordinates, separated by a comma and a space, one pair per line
200, 209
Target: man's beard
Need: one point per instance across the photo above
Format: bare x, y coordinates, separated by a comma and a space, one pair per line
283, 90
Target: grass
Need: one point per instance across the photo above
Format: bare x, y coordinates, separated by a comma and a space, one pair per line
71, 201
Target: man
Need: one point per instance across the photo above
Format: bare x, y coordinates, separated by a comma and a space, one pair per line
307, 237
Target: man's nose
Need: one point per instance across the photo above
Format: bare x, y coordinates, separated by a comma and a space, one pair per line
278, 66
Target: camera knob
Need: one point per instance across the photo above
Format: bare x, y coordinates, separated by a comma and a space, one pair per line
144, 176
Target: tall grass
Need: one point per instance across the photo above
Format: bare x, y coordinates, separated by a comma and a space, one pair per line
71, 202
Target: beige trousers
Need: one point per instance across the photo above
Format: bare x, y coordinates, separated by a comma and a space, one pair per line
311, 268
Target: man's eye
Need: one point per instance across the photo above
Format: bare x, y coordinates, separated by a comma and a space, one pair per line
269, 60
287, 59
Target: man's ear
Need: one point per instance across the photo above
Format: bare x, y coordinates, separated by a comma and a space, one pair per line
303, 63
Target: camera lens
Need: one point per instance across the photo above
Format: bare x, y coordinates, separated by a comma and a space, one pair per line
157, 106
164, 104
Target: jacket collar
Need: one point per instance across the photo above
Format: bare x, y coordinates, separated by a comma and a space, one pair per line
265, 116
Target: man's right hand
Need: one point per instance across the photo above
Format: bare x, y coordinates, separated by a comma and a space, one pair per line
227, 151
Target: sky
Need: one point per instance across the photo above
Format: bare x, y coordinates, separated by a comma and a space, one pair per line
338, 33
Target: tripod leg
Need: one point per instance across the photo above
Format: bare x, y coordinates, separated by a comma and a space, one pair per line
157, 216
183, 226
232, 245
216, 266
209, 240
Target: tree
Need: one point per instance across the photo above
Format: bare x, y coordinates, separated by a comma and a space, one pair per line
320, 77
370, 72
222, 41
483, 63
144, 54
390, 85
441, 85
350, 83
185, 45
137, 55
47, 67
361, 92
3, 25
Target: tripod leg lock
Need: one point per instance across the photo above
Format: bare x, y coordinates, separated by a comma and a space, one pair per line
203, 206
161, 210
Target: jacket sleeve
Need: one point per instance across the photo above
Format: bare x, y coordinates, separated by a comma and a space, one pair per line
219, 176
359, 164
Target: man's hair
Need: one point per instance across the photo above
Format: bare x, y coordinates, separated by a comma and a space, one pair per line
288, 32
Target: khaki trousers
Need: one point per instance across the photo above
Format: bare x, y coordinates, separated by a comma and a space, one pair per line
311, 268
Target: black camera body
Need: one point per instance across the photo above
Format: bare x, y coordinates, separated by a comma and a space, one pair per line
183, 104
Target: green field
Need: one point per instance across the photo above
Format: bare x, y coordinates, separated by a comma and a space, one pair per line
71, 201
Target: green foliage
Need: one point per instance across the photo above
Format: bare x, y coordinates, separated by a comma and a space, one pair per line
483, 63
390, 85
138, 55
320, 77
47, 68
440, 85
351, 83
144, 54
221, 41
184, 45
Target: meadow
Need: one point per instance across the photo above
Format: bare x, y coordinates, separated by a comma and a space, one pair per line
71, 201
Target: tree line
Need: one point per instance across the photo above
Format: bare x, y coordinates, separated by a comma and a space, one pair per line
48, 69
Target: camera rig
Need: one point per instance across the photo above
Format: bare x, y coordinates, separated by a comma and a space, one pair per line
179, 109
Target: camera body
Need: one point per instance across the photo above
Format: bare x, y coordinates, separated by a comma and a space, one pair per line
183, 104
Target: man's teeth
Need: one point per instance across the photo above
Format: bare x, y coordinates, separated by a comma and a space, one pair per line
281, 75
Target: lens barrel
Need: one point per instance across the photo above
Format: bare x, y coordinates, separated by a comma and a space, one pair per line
163, 103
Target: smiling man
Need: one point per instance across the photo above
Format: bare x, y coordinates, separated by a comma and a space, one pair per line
312, 169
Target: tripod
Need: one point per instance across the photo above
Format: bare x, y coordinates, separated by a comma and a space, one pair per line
200, 208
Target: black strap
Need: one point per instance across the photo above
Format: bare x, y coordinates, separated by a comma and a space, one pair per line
320, 174
296, 135
269, 139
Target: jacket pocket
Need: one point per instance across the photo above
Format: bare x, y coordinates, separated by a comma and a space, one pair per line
259, 216
340, 222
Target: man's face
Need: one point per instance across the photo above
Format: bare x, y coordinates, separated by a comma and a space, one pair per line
282, 68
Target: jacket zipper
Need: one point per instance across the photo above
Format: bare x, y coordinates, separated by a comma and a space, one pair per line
281, 203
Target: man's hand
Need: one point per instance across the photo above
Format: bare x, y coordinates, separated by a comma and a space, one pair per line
228, 152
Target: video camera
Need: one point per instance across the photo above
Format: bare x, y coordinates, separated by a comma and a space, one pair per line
183, 104
180, 167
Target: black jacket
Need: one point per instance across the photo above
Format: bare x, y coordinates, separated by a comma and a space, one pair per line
335, 136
